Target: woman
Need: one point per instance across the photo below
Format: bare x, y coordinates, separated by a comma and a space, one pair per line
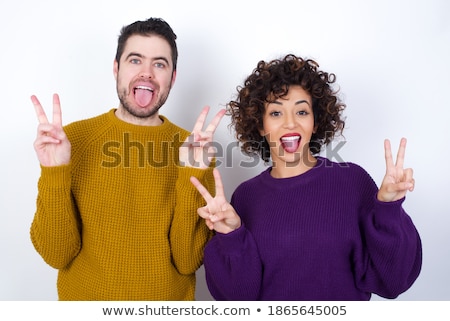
307, 228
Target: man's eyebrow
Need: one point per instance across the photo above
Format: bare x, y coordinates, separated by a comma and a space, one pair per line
132, 54
136, 54
162, 58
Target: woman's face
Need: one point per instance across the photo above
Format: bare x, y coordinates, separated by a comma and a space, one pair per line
288, 124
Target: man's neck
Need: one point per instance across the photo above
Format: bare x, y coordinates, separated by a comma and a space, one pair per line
125, 116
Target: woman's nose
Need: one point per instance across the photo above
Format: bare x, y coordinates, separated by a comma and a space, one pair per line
289, 121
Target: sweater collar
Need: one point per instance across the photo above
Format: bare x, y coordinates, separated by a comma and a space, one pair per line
137, 128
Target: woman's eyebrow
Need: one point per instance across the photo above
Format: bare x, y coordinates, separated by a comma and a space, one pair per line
298, 102
302, 101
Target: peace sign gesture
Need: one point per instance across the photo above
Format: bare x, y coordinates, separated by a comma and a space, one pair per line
198, 150
218, 213
397, 180
51, 145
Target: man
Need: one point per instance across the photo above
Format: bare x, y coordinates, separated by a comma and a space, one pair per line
116, 213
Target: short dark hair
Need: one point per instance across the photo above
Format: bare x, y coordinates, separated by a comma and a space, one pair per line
151, 26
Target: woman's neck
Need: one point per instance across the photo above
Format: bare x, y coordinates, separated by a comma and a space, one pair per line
285, 170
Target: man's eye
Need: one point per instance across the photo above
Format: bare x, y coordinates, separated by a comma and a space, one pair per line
135, 61
160, 65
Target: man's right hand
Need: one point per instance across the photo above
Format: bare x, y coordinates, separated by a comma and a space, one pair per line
51, 145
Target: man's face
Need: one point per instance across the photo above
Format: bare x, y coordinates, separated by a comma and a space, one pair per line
144, 76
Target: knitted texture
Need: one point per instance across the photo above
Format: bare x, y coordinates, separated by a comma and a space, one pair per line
322, 235
120, 221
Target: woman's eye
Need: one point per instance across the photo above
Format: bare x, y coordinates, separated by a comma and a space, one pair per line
274, 113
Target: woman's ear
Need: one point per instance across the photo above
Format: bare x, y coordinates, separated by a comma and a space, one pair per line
262, 132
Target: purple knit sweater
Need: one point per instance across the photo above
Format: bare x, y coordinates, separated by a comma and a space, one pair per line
318, 236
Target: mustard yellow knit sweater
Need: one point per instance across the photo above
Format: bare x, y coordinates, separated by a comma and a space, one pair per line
120, 221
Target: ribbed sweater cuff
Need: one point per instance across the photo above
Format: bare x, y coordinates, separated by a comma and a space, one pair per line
184, 174
232, 241
56, 176
389, 211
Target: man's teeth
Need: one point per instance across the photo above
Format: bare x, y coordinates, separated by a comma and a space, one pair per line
145, 88
290, 138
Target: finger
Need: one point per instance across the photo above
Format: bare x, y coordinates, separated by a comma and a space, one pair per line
191, 141
215, 122
201, 120
218, 182
218, 216
45, 140
201, 189
46, 130
203, 212
42, 117
203, 137
388, 154
409, 178
57, 118
401, 153
400, 188
209, 224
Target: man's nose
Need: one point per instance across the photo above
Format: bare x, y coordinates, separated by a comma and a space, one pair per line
146, 72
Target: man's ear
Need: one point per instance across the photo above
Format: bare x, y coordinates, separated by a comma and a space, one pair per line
115, 69
174, 76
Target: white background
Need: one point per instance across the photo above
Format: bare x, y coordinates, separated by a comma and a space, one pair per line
390, 58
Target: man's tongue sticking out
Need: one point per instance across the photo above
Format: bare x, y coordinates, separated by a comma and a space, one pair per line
143, 96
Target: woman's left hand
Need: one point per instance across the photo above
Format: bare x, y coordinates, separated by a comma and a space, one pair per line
397, 181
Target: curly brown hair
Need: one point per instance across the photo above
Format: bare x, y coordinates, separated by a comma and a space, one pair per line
271, 80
